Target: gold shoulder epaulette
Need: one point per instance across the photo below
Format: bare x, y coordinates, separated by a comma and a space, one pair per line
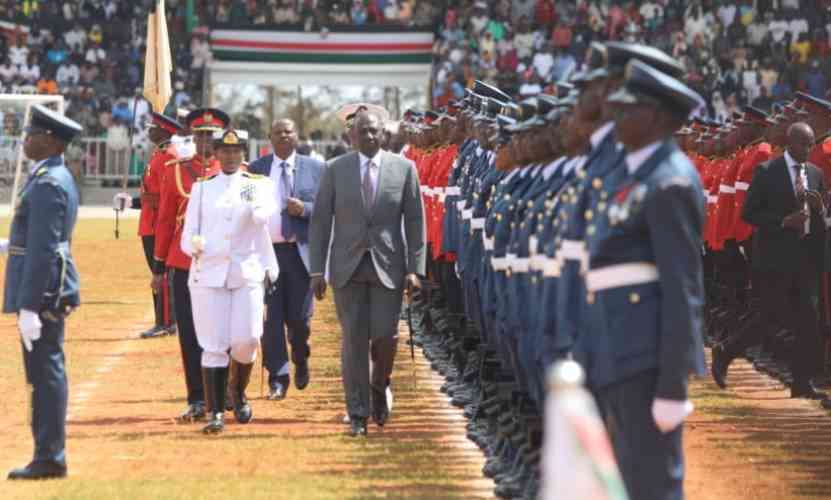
171, 162
253, 176
41, 171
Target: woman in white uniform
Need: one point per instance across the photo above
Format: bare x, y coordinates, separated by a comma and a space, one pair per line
226, 233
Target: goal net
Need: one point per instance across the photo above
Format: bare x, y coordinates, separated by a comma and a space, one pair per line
15, 111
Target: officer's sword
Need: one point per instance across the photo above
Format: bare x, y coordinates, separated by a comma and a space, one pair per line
199, 216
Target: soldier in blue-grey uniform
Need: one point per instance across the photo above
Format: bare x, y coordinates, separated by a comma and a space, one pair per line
641, 334
42, 284
602, 168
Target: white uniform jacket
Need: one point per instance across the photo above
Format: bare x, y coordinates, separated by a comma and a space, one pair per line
236, 247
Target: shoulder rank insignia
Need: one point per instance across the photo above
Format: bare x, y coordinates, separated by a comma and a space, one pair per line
41, 171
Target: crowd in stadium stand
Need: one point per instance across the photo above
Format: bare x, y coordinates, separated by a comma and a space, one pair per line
737, 52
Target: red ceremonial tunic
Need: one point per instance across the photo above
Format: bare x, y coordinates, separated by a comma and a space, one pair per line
175, 194
151, 186
821, 157
438, 182
727, 200
756, 155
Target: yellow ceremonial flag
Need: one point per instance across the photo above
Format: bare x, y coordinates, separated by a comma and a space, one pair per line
157, 61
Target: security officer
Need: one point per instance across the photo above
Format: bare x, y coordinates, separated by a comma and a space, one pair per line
640, 337
192, 163
226, 233
160, 132
42, 284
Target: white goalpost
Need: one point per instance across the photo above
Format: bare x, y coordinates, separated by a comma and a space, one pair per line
16, 110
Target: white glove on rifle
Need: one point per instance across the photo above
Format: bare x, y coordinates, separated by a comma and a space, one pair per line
4, 246
669, 413
30, 326
122, 201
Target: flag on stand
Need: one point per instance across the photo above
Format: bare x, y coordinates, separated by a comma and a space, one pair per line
577, 457
157, 62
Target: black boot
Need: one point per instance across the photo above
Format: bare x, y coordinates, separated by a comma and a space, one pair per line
215, 381
239, 378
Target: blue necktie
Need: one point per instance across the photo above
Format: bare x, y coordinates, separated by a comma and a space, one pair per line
285, 220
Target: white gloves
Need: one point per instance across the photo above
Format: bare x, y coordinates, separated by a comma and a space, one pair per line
4, 246
122, 201
197, 242
669, 413
29, 324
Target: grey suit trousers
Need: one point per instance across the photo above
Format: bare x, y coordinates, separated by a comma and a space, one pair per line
368, 313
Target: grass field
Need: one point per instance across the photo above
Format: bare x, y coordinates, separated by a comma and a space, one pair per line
749, 442
124, 393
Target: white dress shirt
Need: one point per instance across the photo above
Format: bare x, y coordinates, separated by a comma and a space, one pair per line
803, 179
373, 174
275, 224
635, 159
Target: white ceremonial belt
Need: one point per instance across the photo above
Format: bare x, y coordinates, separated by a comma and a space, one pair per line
477, 223
510, 258
618, 275
536, 262
441, 197
573, 250
520, 265
742, 186
499, 263
487, 243
460, 205
467, 214
424, 189
438, 190
452, 191
712, 198
551, 267
724, 188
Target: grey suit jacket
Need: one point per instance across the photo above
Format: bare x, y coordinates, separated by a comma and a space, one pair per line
357, 229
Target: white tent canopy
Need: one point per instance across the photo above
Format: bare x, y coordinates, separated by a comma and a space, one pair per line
296, 74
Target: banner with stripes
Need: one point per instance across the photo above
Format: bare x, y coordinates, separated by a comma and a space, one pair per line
315, 48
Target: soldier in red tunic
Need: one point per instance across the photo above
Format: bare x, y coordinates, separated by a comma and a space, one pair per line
160, 132
169, 259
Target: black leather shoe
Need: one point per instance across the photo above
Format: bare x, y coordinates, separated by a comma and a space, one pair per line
240, 375
279, 388
193, 413
38, 470
301, 374
357, 426
380, 409
719, 366
156, 331
807, 390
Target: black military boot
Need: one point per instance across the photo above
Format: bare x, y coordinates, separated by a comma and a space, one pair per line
215, 381
239, 377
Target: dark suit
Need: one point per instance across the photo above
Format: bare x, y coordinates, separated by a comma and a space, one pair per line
786, 268
369, 259
290, 305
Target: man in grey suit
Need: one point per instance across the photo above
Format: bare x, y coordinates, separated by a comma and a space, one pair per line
366, 195
290, 306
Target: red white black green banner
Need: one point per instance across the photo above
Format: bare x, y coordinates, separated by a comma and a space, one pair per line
333, 48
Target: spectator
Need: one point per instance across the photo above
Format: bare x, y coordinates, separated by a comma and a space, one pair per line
757, 31
47, 85
524, 40
543, 62
282, 12
76, 38
763, 102
521, 9
8, 71
815, 82
479, 19
68, 74
564, 65
19, 52
30, 72
95, 54
359, 13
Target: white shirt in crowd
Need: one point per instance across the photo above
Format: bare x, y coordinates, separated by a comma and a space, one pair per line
18, 54
797, 27
778, 28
